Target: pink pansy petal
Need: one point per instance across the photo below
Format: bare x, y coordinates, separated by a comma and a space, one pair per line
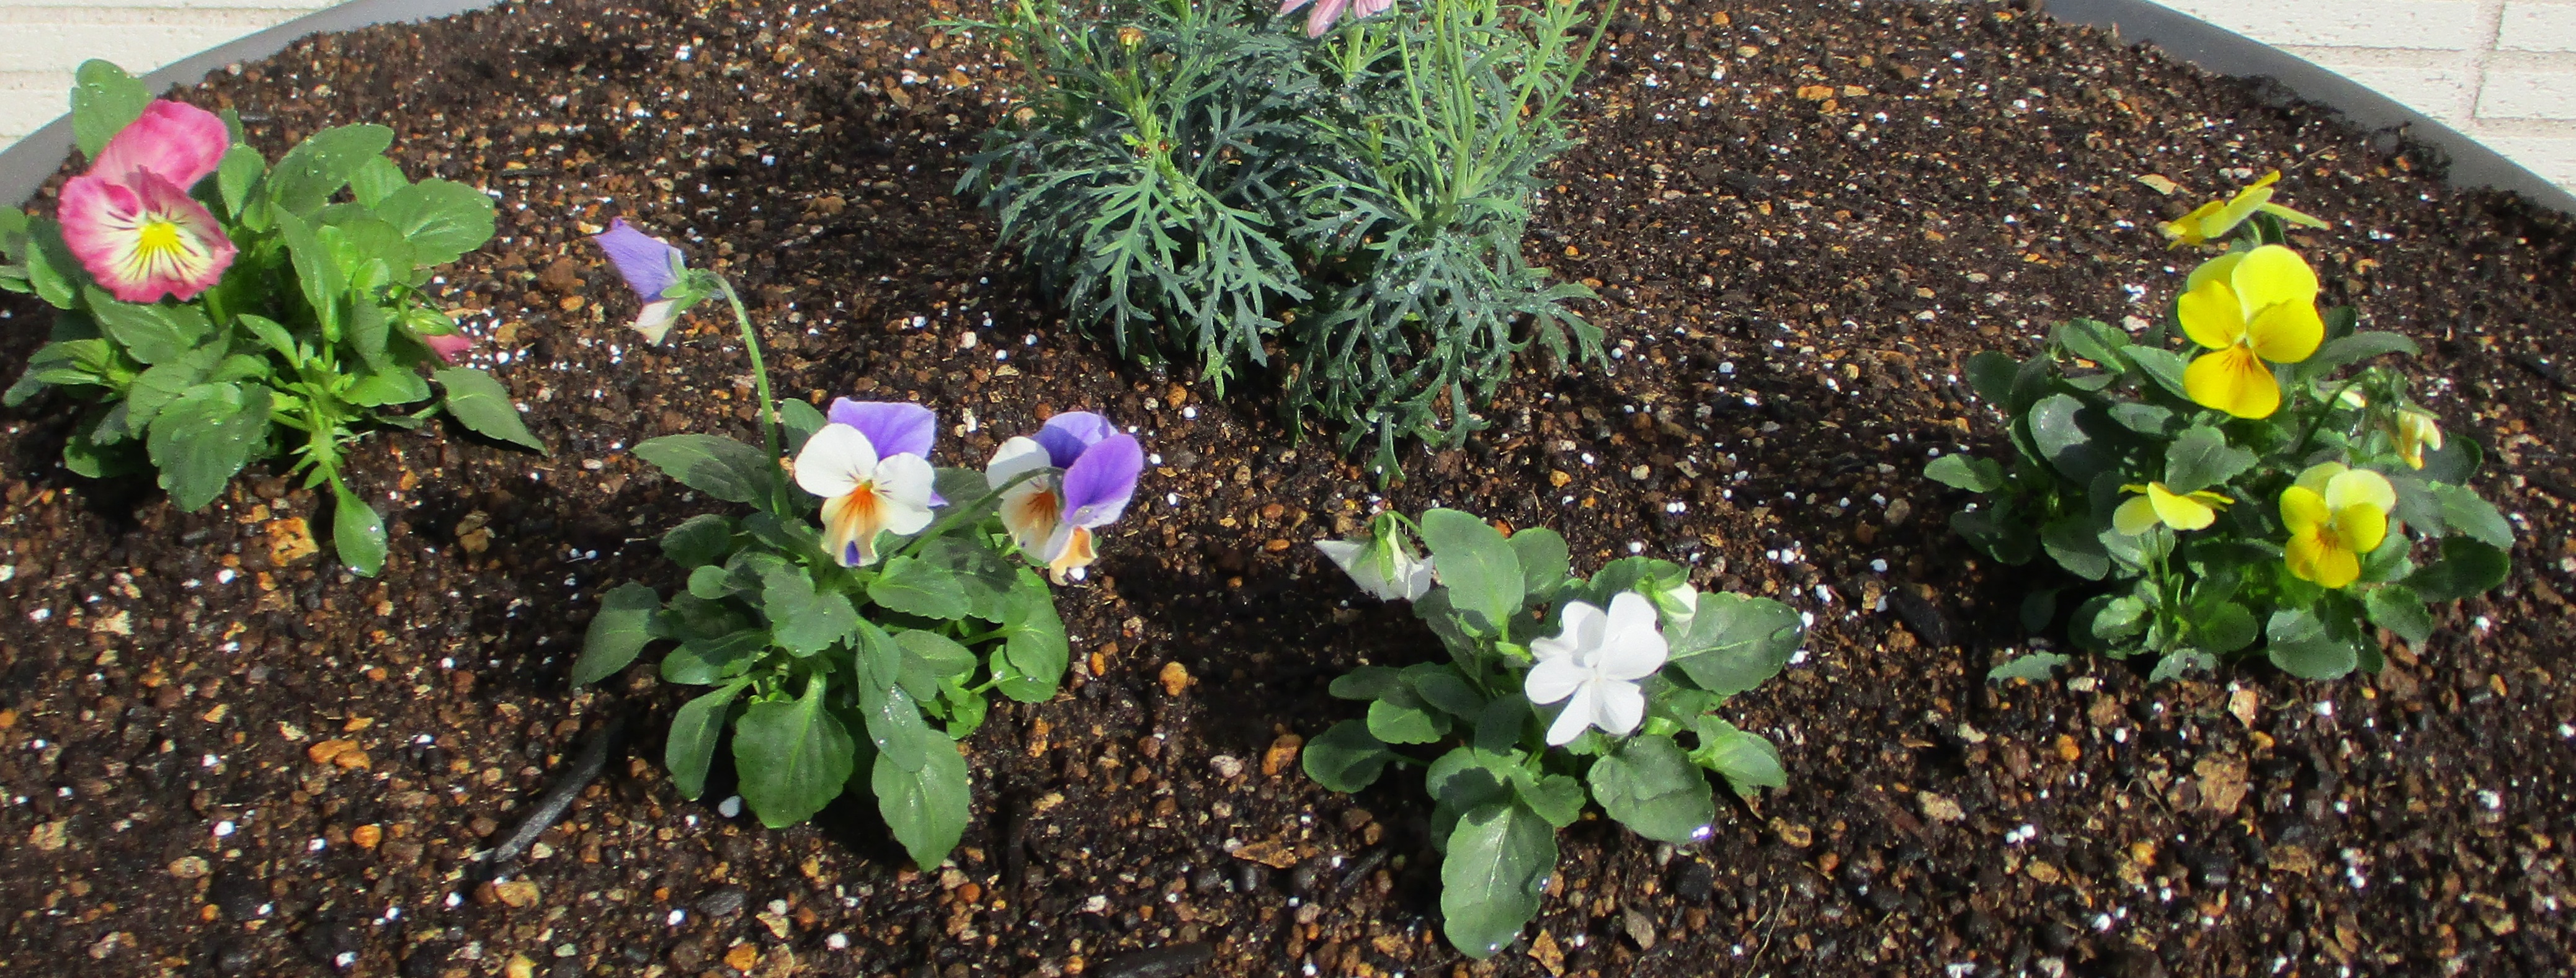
143, 240
1322, 17
180, 142
1365, 8
450, 347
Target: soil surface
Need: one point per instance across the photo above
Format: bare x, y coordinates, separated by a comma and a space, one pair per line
222, 756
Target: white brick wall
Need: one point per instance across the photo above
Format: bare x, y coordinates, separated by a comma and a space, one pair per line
2502, 71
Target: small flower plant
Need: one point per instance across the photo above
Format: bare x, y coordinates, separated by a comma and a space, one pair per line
1557, 691
1200, 186
216, 310
853, 621
2237, 487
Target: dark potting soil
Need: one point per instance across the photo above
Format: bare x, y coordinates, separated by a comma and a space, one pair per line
223, 756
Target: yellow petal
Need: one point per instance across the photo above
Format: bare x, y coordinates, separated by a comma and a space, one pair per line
2239, 208
2270, 275
2318, 476
2303, 511
2292, 216
2211, 316
2314, 557
2286, 332
2361, 527
2208, 498
2185, 230
2134, 517
2361, 487
2233, 380
2180, 512
2214, 270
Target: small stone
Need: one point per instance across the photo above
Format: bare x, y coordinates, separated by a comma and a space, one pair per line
1939, 808
742, 957
188, 867
49, 837
330, 752
723, 902
2241, 704
1543, 950
2067, 749
1227, 766
290, 540
1282, 752
367, 836
1175, 678
519, 967
1640, 927
519, 893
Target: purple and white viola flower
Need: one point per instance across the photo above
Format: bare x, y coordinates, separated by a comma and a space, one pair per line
871, 465
1086, 471
1382, 563
1594, 664
654, 269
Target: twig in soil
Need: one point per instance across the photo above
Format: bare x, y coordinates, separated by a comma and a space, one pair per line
2545, 371
1359, 870
557, 800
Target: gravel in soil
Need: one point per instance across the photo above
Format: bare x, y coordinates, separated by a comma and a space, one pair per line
222, 756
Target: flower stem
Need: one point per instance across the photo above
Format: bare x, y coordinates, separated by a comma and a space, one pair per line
759, 370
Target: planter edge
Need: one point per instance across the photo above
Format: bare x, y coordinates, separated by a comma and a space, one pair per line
26, 166
2216, 49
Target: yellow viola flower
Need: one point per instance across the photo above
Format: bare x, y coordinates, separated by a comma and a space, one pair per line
2414, 431
2180, 510
2249, 309
2335, 515
2214, 220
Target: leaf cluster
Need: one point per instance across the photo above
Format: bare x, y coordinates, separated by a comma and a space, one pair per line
831, 678
1500, 792
312, 337
1199, 185
2098, 414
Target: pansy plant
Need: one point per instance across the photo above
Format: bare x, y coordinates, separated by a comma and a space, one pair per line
216, 310
1557, 692
850, 625
2219, 482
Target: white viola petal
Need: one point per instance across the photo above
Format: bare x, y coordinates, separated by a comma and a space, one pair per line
1030, 511
1341, 552
656, 318
1633, 647
1552, 648
834, 461
1552, 680
1570, 723
1581, 626
903, 483
1057, 543
1617, 707
1418, 582
1018, 455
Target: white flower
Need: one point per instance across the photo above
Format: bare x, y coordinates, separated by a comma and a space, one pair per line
1597, 660
1383, 564
862, 494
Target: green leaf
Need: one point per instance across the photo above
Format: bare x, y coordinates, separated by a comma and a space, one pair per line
1442, 688
928, 659
2397, 608
802, 421
306, 177
1496, 869
2092, 340
895, 726
235, 177
442, 219
713, 464
155, 388
149, 333
2302, 646
2181, 662
623, 626
52, 270
272, 335
878, 658
1346, 758
105, 100
793, 756
1558, 798
1991, 374
2352, 348
1401, 719
699, 541
482, 404
2225, 627
803, 619
981, 576
388, 387
1745, 759
206, 435
2467, 568
2469, 515
1961, 471
1368, 683
2145, 419
1477, 568
357, 533
2201, 458
2075, 542
707, 661
1545, 560
317, 272
711, 583
927, 810
2057, 428
915, 587
1734, 642
1034, 640
2163, 366
1649, 785
2036, 666
375, 180
695, 728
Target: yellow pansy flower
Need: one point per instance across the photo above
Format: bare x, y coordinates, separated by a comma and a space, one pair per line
2212, 221
2414, 431
2250, 309
2180, 510
2335, 515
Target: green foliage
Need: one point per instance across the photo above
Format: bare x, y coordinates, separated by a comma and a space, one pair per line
2101, 422
825, 673
1500, 789
312, 337
1345, 213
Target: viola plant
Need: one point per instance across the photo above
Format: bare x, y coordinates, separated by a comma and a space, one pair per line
1558, 692
852, 623
2234, 485
1206, 189
216, 310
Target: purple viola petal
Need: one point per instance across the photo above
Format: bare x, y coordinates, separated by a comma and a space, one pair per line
894, 427
1098, 485
1066, 436
645, 261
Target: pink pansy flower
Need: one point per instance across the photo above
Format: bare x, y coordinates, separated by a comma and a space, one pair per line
871, 466
450, 347
1087, 471
130, 220
1326, 12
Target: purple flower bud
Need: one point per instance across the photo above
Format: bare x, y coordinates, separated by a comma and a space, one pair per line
649, 264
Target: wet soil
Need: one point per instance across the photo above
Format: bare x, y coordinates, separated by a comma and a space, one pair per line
221, 756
